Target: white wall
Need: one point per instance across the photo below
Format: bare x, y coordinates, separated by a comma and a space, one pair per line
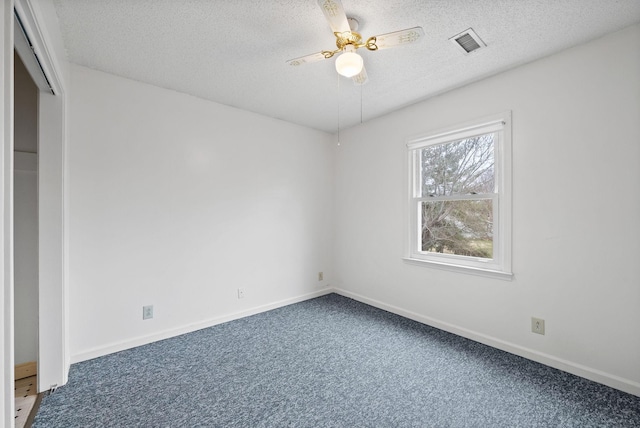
576, 205
26, 257
176, 202
25, 109
25, 206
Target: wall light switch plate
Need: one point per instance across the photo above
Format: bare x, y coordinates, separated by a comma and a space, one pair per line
240, 293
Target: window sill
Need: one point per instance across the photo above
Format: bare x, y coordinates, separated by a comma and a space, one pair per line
508, 276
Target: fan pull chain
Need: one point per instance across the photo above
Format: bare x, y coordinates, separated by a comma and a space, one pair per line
338, 109
361, 103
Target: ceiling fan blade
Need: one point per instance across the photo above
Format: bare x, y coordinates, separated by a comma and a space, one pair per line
360, 78
307, 58
397, 38
334, 12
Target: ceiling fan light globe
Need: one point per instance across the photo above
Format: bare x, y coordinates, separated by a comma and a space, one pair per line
349, 64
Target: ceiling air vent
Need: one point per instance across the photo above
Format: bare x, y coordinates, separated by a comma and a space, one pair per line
468, 41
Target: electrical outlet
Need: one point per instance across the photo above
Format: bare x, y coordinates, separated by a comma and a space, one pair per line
320, 276
240, 293
537, 325
147, 312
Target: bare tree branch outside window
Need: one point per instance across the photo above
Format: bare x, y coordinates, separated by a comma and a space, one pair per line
458, 226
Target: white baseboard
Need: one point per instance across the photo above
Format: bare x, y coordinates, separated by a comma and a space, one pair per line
166, 334
595, 375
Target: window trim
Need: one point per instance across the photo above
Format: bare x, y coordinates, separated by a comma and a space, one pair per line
500, 265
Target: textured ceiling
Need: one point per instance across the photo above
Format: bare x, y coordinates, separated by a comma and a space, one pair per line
234, 52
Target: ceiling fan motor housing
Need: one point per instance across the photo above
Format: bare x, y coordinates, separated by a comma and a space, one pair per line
347, 38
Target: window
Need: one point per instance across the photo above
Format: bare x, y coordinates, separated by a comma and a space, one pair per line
460, 198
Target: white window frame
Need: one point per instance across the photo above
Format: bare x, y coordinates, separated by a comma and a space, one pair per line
500, 265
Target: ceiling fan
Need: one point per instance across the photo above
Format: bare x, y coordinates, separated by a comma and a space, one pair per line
349, 63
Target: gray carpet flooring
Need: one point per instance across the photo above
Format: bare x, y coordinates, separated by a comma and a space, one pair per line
328, 362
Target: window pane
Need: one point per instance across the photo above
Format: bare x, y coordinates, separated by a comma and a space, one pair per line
460, 168
458, 227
